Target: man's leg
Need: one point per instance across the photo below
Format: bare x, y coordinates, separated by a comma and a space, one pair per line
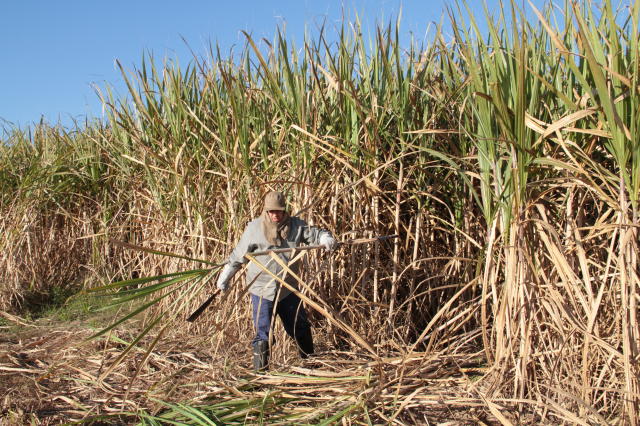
295, 322
262, 312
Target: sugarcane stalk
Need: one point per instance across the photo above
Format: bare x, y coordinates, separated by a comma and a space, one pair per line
211, 298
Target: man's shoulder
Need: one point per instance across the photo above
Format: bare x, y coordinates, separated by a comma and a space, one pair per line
254, 222
252, 225
297, 221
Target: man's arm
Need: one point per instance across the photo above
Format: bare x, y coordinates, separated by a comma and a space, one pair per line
312, 235
235, 261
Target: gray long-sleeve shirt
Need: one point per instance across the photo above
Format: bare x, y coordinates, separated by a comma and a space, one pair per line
300, 233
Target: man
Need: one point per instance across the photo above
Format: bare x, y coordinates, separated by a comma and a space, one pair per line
274, 229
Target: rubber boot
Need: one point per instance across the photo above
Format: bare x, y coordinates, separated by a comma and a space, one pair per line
261, 355
305, 344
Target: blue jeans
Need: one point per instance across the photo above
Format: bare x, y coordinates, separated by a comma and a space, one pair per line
293, 317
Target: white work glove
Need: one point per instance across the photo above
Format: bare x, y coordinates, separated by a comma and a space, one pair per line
225, 276
329, 243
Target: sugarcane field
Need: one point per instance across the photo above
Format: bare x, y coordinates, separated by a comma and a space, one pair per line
351, 231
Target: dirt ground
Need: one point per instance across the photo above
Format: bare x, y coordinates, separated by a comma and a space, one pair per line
51, 374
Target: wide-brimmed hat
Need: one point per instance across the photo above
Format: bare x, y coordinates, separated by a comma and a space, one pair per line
274, 200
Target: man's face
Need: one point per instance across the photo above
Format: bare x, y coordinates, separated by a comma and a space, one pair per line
276, 215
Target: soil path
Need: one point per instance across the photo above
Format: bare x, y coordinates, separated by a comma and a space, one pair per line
50, 374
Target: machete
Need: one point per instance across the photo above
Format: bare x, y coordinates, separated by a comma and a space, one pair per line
194, 316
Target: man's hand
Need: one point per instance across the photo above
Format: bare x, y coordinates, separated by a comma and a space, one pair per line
225, 276
329, 243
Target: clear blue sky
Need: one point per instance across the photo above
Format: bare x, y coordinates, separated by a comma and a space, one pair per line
54, 52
